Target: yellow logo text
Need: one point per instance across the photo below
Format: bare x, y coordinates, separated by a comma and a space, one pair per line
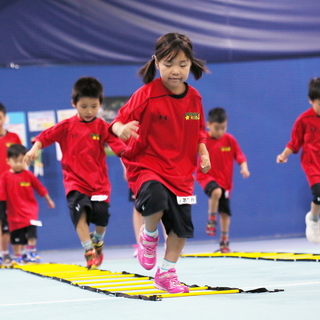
95, 136
192, 116
25, 184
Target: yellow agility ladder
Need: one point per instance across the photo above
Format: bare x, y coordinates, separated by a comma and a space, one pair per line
276, 256
119, 284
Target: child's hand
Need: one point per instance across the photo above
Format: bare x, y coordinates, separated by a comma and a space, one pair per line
281, 159
30, 156
51, 204
205, 163
129, 130
245, 173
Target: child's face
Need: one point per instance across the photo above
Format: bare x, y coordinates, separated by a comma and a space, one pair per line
174, 72
216, 129
87, 108
2, 119
315, 105
16, 164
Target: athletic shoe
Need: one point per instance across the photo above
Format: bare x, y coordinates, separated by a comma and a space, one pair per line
7, 261
17, 260
31, 256
135, 250
168, 281
147, 250
91, 258
98, 247
224, 247
211, 227
312, 229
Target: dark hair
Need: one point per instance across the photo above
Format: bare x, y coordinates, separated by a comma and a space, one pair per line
314, 89
87, 87
217, 115
168, 46
3, 109
15, 150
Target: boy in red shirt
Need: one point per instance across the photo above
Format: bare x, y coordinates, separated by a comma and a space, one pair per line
17, 198
6, 140
306, 135
217, 183
82, 140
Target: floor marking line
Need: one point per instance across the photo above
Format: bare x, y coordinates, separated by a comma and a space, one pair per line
61, 301
287, 285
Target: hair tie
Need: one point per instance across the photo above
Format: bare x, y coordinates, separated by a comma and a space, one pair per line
153, 57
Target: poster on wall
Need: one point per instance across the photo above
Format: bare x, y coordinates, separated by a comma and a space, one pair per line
16, 122
110, 107
41, 120
109, 110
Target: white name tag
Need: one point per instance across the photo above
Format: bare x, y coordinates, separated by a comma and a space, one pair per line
37, 223
98, 197
187, 200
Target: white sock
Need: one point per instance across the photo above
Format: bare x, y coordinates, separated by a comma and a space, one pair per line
314, 218
167, 265
152, 234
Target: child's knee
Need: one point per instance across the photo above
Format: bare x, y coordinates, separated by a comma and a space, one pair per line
216, 193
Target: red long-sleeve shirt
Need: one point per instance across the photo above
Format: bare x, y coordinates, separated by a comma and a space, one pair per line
223, 152
170, 130
17, 189
83, 156
306, 135
5, 142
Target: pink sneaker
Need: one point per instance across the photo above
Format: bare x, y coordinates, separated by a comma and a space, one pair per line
168, 281
147, 248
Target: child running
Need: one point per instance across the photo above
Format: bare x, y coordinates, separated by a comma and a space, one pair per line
17, 198
6, 140
223, 148
163, 121
82, 139
305, 135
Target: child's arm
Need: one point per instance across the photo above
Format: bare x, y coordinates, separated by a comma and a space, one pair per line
283, 157
50, 202
125, 131
32, 154
204, 158
244, 169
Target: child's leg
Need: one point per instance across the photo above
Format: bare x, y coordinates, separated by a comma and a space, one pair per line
83, 232
5, 242
174, 248
315, 211
17, 249
312, 217
137, 220
212, 212
224, 226
151, 223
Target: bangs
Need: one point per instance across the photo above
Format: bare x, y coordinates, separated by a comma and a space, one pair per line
170, 52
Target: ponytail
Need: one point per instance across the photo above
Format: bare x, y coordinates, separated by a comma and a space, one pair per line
148, 71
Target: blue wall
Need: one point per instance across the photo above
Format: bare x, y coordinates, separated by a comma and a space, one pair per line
262, 99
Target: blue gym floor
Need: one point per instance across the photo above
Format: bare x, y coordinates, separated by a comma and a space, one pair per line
27, 296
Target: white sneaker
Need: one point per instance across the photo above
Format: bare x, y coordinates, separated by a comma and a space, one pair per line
312, 229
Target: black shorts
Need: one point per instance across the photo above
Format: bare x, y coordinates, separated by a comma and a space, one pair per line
4, 224
224, 202
97, 212
155, 197
131, 196
21, 236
